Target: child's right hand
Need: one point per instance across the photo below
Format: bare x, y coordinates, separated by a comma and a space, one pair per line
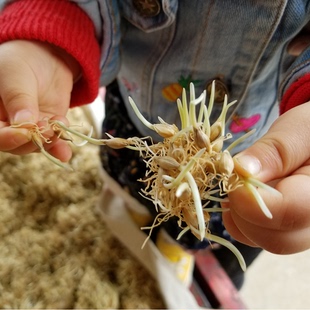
36, 81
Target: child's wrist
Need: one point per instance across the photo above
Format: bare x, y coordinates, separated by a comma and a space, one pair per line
70, 61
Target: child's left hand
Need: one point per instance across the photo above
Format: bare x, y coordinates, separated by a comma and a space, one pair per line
281, 158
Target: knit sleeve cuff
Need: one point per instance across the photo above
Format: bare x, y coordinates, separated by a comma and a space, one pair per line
63, 24
298, 93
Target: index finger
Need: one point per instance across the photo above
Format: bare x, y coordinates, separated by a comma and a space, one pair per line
12, 138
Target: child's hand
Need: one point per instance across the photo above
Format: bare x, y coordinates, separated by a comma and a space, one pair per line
36, 80
282, 159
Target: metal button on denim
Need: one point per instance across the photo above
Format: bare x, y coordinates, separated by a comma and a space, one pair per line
220, 89
147, 8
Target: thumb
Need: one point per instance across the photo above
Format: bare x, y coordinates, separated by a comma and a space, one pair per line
18, 92
283, 149
20, 109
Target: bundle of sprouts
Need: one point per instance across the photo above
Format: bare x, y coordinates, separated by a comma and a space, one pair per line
189, 166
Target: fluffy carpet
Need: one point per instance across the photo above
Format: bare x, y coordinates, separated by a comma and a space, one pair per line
55, 251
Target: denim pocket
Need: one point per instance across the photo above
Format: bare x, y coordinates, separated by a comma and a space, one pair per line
163, 19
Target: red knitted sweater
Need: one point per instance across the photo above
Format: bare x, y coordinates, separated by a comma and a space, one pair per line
65, 25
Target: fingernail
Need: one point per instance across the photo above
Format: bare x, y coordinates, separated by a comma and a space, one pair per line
249, 164
23, 116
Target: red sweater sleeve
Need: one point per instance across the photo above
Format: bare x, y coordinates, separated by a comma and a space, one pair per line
298, 93
64, 24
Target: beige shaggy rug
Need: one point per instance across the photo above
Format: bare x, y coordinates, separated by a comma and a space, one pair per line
55, 251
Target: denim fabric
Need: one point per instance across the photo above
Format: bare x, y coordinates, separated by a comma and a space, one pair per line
244, 42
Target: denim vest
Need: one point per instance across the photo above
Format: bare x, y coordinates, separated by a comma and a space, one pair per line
241, 43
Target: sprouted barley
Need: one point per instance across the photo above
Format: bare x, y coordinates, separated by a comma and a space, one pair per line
187, 167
